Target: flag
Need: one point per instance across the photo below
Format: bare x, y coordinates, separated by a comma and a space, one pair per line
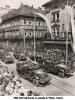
73, 30
47, 21
70, 13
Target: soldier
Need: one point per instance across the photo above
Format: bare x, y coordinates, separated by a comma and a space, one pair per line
30, 93
1, 85
9, 88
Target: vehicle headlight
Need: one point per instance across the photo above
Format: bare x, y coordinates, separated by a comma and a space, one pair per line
43, 63
37, 78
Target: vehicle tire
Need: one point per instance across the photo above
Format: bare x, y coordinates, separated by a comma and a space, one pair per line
61, 74
49, 83
5, 61
35, 82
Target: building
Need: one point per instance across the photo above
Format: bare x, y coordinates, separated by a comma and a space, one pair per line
4, 10
60, 20
20, 22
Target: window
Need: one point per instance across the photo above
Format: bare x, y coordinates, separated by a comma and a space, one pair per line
62, 27
57, 16
57, 31
53, 17
39, 24
25, 34
29, 23
17, 33
24, 21
63, 35
54, 31
70, 27
40, 34
30, 33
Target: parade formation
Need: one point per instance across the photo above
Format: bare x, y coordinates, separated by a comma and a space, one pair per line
35, 71
12, 86
37, 50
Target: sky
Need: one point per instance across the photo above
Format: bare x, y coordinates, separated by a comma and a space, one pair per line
16, 3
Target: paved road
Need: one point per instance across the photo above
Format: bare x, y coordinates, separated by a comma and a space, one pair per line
58, 86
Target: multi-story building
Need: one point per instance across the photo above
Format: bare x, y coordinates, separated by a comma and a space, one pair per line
4, 10
20, 22
60, 20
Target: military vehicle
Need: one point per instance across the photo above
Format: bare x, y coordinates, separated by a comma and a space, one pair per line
32, 71
6, 57
59, 69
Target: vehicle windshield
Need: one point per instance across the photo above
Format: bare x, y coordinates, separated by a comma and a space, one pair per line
40, 73
23, 59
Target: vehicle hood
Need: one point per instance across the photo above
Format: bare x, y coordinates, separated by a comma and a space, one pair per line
39, 71
62, 65
21, 54
8, 56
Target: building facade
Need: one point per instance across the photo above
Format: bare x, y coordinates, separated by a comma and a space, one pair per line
20, 22
4, 10
60, 20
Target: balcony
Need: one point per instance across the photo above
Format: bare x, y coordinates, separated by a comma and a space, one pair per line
31, 27
55, 21
41, 28
57, 42
59, 37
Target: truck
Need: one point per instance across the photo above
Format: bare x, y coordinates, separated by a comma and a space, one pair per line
31, 71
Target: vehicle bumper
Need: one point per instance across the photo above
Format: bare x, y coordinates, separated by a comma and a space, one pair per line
69, 73
45, 81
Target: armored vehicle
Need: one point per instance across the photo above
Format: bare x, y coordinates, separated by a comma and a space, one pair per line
32, 71
60, 69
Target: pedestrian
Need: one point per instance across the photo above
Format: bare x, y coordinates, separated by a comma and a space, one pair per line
9, 88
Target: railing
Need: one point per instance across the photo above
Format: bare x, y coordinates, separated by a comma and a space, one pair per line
54, 37
27, 27
55, 21
37, 27
41, 28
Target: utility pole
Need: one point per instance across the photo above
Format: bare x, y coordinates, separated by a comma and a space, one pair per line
67, 37
34, 37
24, 42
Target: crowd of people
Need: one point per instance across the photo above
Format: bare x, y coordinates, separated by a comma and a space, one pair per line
55, 55
11, 85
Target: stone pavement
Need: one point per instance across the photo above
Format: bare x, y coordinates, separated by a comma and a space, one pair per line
66, 84
58, 87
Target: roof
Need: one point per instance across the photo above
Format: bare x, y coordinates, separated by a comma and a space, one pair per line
55, 1
48, 3
22, 11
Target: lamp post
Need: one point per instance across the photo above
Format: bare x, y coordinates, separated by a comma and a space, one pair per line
34, 37
24, 42
67, 37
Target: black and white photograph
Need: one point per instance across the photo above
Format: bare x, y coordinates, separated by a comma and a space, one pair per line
37, 48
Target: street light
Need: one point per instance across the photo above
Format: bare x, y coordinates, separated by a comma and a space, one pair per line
34, 38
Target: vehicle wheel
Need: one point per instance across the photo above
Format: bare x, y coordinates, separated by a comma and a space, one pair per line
35, 82
49, 83
5, 61
61, 74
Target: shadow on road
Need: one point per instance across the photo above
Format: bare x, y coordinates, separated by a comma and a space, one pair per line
68, 76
